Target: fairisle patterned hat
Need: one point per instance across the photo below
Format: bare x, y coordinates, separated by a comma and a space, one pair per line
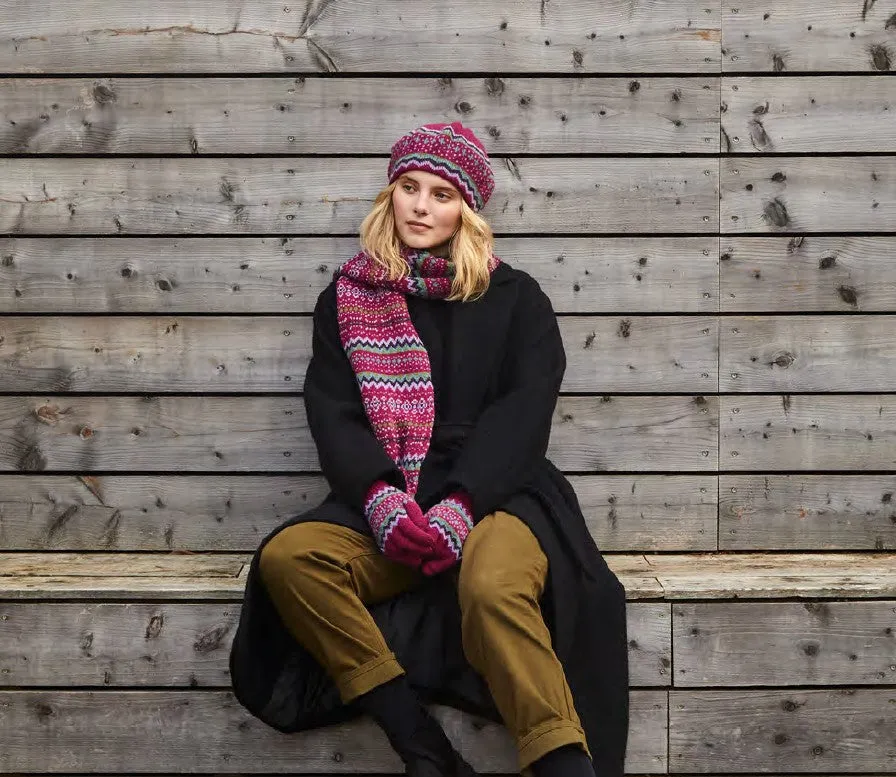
450, 151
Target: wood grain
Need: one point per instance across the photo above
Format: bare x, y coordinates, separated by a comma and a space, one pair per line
354, 115
807, 353
286, 274
103, 576
796, 512
808, 431
270, 433
247, 354
797, 194
324, 195
227, 513
181, 644
93, 731
792, 35
824, 730
808, 273
392, 36
784, 643
830, 113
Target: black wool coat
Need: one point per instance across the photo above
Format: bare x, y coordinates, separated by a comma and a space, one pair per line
497, 364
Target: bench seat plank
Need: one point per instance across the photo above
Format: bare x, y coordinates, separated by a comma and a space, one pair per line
669, 576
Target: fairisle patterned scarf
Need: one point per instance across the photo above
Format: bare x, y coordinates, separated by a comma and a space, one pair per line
389, 359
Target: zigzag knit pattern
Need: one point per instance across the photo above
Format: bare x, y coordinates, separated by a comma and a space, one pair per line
387, 355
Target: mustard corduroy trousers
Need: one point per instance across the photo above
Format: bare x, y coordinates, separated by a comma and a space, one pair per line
320, 576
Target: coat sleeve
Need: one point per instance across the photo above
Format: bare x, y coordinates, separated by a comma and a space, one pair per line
350, 455
511, 435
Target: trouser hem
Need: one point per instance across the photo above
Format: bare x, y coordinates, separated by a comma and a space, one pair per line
368, 676
547, 737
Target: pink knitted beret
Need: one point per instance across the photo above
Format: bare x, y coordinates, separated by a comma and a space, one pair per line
450, 151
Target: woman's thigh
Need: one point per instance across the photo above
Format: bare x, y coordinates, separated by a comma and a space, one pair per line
501, 555
321, 554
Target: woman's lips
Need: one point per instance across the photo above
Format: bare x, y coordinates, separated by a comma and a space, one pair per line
417, 226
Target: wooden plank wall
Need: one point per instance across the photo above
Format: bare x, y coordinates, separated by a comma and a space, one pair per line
706, 191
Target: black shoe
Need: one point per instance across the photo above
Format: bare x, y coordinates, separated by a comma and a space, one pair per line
431, 753
414, 734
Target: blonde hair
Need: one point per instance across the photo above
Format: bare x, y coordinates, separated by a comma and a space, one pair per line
470, 248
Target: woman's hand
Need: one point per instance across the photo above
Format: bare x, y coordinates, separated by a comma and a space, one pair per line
448, 522
398, 525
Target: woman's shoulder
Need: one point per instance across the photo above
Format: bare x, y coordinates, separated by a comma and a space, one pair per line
527, 288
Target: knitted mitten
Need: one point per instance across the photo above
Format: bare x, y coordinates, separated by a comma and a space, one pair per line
396, 521
449, 523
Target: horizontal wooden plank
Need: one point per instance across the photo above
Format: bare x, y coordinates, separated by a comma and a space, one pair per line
226, 513
807, 353
59, 576
568, 37
190, 731
812, 273
797, 194
183, 644
808, 431
813, 113
784, 643
766, 575
138, 565
827, 730
793, 35
184, 353
285, 274
796, 512
264, 433
324, 195
357, 115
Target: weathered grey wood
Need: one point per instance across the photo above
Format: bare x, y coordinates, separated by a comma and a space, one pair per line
183, 644
188, 731
224, 513
191, 731
813, 273
285, 275
326, 195
264, 433
784, 643
776, 730
184, 353
789, 35
797, 194
807, 431
325, 36
190, 576
60, 576
796, 512
354, 115
807, 353
787, 115
99, 565
765, 575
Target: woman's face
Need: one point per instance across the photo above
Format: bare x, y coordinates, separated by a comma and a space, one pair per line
430, 200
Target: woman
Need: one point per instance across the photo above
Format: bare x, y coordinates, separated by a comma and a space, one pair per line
450, 562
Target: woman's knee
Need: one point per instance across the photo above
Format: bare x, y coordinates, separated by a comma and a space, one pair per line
297, 546
502, 562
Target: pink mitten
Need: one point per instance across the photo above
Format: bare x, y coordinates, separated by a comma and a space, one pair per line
396, 521
449, 523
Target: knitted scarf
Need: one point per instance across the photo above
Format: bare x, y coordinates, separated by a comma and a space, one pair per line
389, 359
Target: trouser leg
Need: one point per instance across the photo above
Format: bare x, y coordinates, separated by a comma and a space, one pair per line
320, 576
502, 577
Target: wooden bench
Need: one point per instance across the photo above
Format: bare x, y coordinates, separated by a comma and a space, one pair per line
75, 621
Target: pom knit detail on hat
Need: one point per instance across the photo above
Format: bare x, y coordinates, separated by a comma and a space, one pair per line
387, 355
450, 151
